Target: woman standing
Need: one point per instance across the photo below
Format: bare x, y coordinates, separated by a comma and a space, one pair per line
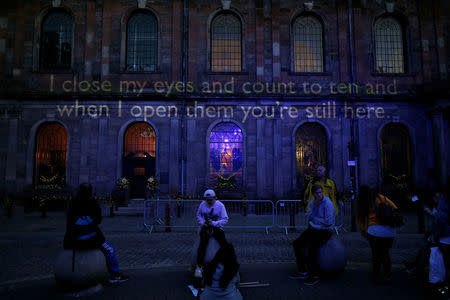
379, 235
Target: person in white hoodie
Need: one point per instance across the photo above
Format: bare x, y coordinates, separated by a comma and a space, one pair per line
321, 217
211, 216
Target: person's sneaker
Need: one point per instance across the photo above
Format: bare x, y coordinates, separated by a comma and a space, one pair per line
311, 280
117, 278
299, 275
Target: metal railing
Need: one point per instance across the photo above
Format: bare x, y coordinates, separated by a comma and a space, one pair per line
182, 214
245, 214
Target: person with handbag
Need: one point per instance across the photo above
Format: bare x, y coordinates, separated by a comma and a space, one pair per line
377, 219
82, 231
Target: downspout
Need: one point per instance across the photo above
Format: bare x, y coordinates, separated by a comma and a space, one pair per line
184, 78
354, 144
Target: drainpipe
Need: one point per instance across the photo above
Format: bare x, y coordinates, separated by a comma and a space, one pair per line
184, 78
354, 145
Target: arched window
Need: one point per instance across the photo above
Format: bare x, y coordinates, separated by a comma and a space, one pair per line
226, 43
142, 42
226, 151
310, 150
308, 44
50, 154
389, 46
140, 140
395, 153
56, 41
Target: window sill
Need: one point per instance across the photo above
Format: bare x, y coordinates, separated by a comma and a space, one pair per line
376, 74
227, 73
53, 72
141, 72
309, 73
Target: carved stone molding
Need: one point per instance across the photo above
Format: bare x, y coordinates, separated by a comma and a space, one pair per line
226, 4
56, 3
142, 3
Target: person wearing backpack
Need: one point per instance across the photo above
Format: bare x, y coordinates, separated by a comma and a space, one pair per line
379, 232
82, 231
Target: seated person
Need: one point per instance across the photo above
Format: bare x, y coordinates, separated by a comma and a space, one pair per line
211, 216
221, 276
82, 232
321, 215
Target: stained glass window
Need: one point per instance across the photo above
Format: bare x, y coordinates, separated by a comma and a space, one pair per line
310, 149
56, 41
226, 151
226, 45
395, 151
389, 46
142, 42
140, 140
308, 44
51, 154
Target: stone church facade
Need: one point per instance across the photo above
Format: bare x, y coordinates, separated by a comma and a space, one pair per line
193, 91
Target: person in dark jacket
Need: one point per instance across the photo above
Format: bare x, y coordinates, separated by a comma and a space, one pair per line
82, 231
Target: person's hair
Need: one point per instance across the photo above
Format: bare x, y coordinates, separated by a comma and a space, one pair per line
227, 257
365, 201
315, 188
83, 199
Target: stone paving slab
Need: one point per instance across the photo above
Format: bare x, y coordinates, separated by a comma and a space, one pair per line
170, 283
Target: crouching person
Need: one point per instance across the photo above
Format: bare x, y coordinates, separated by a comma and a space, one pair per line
321, 216
82, 231
221, 276
211, 216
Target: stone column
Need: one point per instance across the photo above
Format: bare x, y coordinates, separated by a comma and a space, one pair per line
174, 166
440, 159
277, 166
11, 158
260, 158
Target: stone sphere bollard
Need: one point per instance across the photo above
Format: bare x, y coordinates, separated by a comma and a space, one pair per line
332, 257
89, 269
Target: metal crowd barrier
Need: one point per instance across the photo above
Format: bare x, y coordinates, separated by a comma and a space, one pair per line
291, 214
173, 213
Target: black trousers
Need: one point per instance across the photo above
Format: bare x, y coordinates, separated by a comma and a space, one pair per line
205, 233
311, 239
380, 254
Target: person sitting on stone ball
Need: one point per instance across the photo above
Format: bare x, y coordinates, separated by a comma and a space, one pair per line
320, 215
82, 231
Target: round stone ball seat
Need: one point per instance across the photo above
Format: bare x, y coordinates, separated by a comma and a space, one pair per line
332, 257
89, 269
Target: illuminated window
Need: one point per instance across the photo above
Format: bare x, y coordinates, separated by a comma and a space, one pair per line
140, 140
226, 151
308, 44
395, 152
51, 154
226, 43
56, 41
310, 149
389, 46
142, 42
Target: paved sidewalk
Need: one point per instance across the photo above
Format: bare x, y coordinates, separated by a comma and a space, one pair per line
29, 244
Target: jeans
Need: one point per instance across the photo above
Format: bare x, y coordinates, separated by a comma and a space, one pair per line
380, 254
110, 255
312, 239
